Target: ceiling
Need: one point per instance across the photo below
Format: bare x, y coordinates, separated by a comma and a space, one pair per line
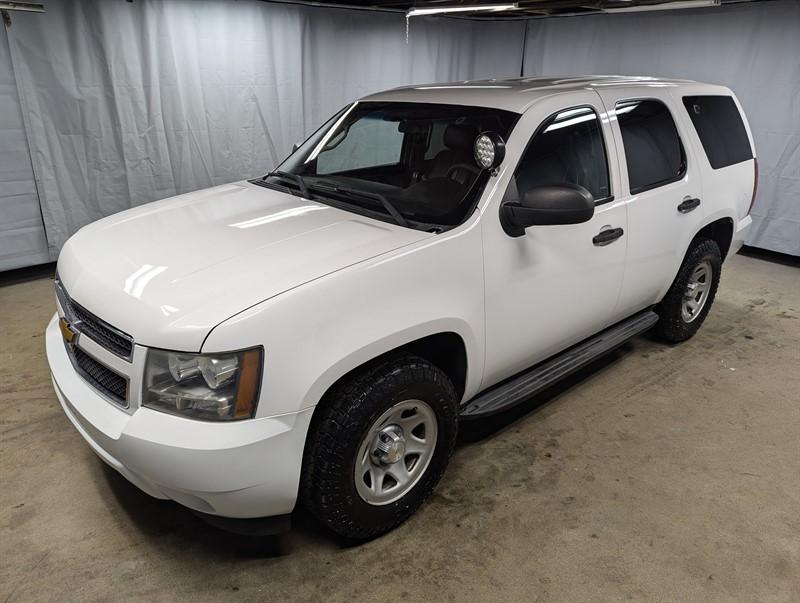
525, 9
522, 9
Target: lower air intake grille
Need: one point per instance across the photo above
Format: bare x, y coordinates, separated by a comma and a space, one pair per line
101, 377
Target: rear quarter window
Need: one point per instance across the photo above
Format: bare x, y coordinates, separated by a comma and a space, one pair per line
721, 130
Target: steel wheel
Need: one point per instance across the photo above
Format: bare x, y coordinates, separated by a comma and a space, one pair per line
395, 452
696, 293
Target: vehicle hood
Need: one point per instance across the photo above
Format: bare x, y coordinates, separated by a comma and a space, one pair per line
168, 272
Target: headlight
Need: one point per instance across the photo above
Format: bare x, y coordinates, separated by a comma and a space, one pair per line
213, 387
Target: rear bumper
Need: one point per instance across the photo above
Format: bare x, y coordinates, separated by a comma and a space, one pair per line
740, 236
244, 469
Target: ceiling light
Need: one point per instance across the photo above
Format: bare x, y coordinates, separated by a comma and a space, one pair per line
418, 12
663, 6
31, 7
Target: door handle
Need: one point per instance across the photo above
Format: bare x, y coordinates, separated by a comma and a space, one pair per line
607, 236
688, 205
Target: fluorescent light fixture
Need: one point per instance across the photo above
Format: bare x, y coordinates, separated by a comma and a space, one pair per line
418, 12
664, 6
31, 7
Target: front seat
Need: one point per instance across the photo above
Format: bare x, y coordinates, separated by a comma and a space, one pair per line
458, 140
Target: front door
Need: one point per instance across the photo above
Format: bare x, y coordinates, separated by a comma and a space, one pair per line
555, 285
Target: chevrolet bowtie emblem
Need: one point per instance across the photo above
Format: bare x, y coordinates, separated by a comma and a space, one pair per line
67, 332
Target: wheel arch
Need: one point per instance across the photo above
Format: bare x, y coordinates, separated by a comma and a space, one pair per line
720, 231
336, 434
445, 349
435, 348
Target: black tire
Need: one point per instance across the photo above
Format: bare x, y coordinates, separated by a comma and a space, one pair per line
341, 423
672, 326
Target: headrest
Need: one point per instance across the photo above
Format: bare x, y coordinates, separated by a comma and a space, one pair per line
459, 136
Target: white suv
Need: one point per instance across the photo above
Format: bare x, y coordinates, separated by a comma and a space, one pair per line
431, 254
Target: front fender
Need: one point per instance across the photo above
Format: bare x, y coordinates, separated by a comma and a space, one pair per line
318, 332
394, 341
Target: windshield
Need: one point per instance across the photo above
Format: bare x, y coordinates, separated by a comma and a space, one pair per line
410, 163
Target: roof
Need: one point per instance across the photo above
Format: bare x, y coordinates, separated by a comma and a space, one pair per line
510, 94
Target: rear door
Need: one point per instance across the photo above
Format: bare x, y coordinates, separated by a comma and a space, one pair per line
661, 187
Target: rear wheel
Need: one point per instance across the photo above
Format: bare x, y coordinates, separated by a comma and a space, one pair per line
378, 446
689, 299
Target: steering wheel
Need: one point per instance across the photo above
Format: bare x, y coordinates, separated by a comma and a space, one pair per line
470, 167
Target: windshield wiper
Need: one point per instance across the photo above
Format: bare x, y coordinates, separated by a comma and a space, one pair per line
387, 205
298, 180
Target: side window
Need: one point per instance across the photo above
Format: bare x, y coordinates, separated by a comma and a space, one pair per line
720, 128
370, 142
436, 142
653, 150
568, 148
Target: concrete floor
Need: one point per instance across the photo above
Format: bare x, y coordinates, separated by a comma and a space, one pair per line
661, 473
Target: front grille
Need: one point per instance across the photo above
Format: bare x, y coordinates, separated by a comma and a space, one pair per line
102, 333
100, 376
96, 328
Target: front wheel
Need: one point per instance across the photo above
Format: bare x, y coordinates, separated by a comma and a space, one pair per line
689, 299
378, 445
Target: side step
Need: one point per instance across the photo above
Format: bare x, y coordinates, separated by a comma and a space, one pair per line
518, 389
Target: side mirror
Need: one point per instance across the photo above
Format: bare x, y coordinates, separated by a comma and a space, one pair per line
547, 206
295, 146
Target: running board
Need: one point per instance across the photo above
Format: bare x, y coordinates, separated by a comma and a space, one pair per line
518, 389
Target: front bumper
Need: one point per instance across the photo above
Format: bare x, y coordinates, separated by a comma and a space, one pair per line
242, 469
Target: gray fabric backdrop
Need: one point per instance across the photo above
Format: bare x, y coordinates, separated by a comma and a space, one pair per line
22, 241
130, 102
754, 49
124, 103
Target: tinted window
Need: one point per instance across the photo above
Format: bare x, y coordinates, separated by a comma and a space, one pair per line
369, 142
568, 148
416, 158
653, 150
720, 128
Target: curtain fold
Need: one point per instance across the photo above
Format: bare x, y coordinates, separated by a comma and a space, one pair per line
754, 49
22, 239
126, 103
